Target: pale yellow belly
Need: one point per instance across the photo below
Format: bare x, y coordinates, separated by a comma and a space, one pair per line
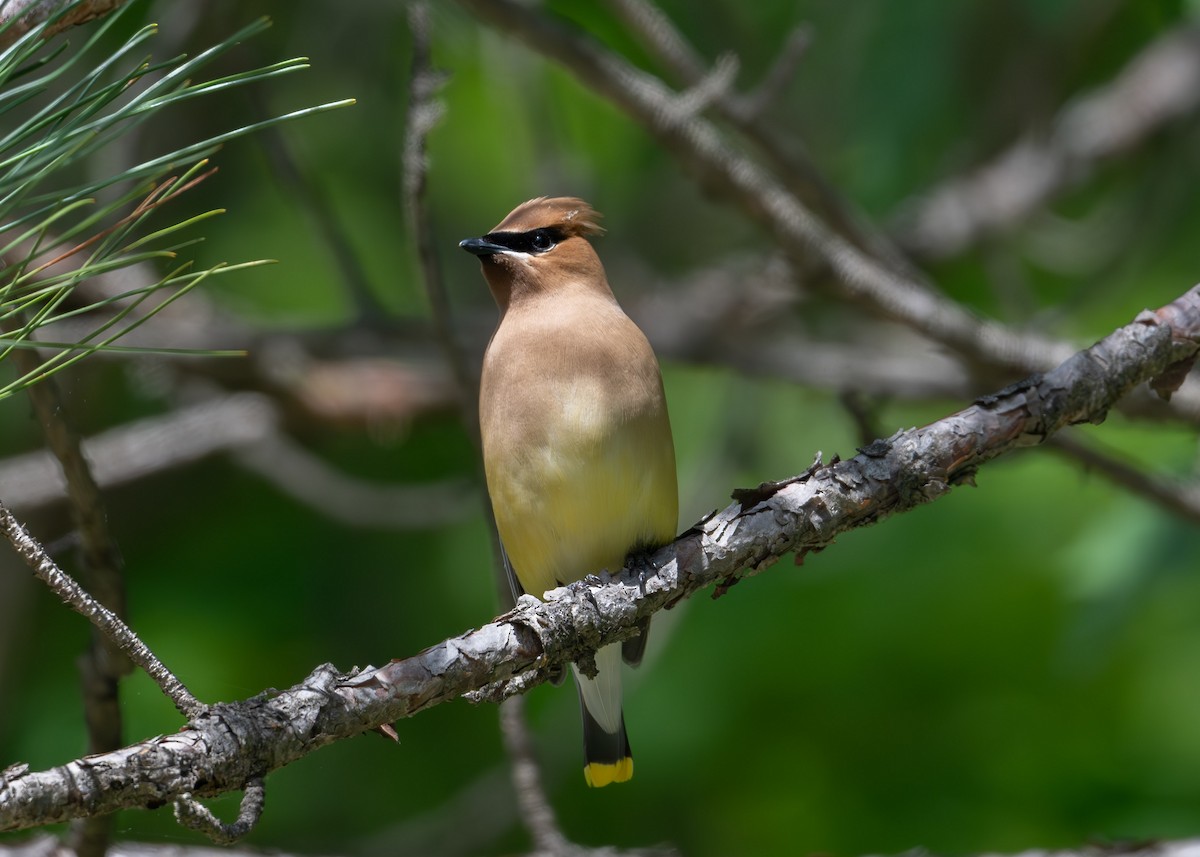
579, 502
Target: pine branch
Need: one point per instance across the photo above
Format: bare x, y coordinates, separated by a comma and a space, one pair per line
53, 234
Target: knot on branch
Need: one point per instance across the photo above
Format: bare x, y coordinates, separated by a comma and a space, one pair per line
714, 86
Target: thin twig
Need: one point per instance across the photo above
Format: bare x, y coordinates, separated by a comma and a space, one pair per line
191, 813
104, 662
748, 114
354, 502
316, 205
142, 448
1182, 499
101, 559
113, 628
780, 74
424, 112
535, 809
155, 198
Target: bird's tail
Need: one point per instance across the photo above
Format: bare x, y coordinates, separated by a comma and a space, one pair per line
607, 757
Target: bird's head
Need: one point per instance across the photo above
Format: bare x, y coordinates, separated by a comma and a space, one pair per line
540, 247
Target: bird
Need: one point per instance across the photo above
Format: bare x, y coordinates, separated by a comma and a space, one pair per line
578, 453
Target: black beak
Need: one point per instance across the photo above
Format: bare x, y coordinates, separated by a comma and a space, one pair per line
481, 247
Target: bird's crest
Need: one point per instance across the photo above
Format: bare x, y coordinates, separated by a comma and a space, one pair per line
569, 214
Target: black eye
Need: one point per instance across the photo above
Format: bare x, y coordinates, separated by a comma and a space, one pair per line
542, 240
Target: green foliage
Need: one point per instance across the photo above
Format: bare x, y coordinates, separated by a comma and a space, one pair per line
58, 233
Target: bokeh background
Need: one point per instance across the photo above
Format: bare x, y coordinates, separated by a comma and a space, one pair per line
1017, 665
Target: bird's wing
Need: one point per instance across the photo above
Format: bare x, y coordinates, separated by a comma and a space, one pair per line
513, 583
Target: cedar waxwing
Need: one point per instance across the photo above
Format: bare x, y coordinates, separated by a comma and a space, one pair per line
577, 446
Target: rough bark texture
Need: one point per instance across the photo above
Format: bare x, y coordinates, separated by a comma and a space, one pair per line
230, 744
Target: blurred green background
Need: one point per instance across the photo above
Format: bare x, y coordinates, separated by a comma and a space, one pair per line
1015, 666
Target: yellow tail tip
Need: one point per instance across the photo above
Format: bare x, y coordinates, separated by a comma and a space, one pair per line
600, 774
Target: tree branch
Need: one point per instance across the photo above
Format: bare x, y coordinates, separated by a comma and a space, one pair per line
105, 661
764, 198
747, 114
109, 625
137, 449
1180, 498
227, 745
1160, 85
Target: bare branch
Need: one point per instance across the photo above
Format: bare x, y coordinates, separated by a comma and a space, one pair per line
1159, 86
787, 157
710, 88
1182, 499
74, 596
226, 745
104, 662
138, 449
190, 813
535, 810
246, 425
350, 501
48, 846
424, 111
781, 73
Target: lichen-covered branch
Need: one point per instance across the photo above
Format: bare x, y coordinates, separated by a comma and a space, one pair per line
228, 745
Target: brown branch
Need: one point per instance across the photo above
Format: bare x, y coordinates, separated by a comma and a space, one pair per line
227, 745
156, 197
